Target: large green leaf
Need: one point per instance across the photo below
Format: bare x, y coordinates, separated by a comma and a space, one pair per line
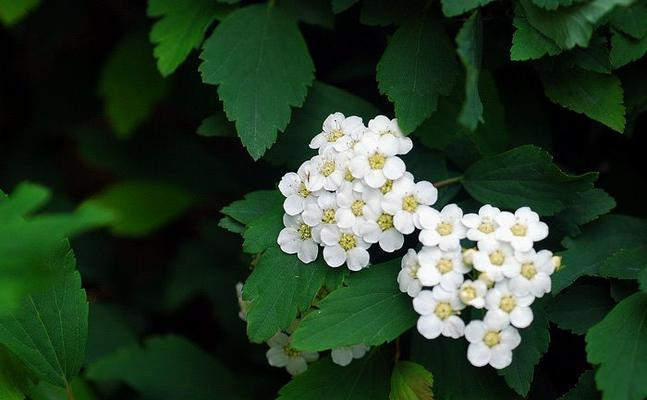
619, 345
12, 11
524, 176
180, 29
626, 263
13, 378
452, 8
630, 20
260, 61
527, 42
554, 4
469, 42
585, 388
370, 310
585, 207
580, 307
625, 49
254, 205
262, 232
411, 381
315, 12
418, 65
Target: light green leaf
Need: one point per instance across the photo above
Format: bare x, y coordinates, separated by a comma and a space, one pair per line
585, 207
411, 381
527, 42
599, 240
619, 345
314, 12
262, 232
625, 263
180, 29
254, 205
469, 43
524, 176
168, 368
216, 125
140, 207
370, 310
630, 20
585, 388
580, 307
452, 8
48, 331
260, 61
417, 67
625, 49
130, 85
598, 96
12, 11
341, 5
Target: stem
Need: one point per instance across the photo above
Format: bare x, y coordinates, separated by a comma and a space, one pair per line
397, 350
68, 391
449, 181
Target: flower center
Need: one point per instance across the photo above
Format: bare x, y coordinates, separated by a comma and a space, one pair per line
305, 232
497, 258
528, 270
413, 270
357, 208
386, 188
492, 338
303, 191
467, 294
335, 134
348, 176
518, 229
508, 303
347, 241
385, 221
444, 266
376, 161
486, 227
443, 310
444, 229
290, 351
328, 168
409, 203
328, 216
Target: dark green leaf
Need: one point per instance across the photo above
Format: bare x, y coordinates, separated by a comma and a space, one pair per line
625, 263
469, 42
585, 207
388, 12
527, 42
585, 388
630, 20
108, 331
315, 12
452, 8
12, 11
625, 49
580, 307
411, 381
341, 5
554, 4
262, 232
216, 126
254, 205
231, 225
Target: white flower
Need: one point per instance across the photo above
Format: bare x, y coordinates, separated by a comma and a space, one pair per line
491, 343
282, 355
320, 213
296, 237
375, 160
408, 275
496, 259
472, 293
293, 187
326, 171
441, 267
337, 132
520, 229
443, 229
379, 228
381, 125
438, 309
242, 304
406, 201
482, 225
344, 246
344, 355
354, 207
506, 307
536, 268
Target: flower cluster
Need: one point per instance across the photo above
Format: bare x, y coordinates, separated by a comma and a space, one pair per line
354, 193
502, 275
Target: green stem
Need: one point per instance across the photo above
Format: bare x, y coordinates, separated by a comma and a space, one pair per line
449, 181
68, 391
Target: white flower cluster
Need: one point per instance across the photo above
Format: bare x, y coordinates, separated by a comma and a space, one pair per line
503, 274
354, 193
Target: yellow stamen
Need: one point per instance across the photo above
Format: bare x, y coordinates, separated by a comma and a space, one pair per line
492, 338
386, 188
376, 161
443, 310
467, 294
328, 168
486, 227
385, 221
347, 241
409, 203
305, 232
357, 208
528, 270
290, 351
508, 303
444, 229
328, 216
557, 262
497, 258
335, 135
303, 191
518, 229
444, 266
348, 176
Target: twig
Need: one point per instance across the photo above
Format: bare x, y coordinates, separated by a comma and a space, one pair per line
449, 181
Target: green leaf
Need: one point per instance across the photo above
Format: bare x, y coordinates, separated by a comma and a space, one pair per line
619, 345
370, 310
314, 12
216, 125
364, 379
599, 240
642, 280
260, 61
140, 207
534, 343
48, 331
231, 225
417, 67
625, 49
411, 381
292, 147
341, 5
625, 263
279, 287
12, 11
108, 331
598, 96
580, 307
586, 207
524, 176
594, 58
262, 232
180, 29
554, 4
452, 8
130, 85
78, 387
630, 20
254, 205
527, 42
168, 368
13, 378
388, 12
469, 42
585, 388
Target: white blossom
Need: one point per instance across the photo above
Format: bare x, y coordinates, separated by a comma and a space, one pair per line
491, 343
506, 307
444, 268
375, 160
344, 246
496, 259
293, 187
337, 132
355, 207
281, 354
408, 275
406, 201
296, 238
320, 213
382, 125
344, 355
534, 278
242, 304
482, 225
438, 311
442, 228
379, 228
326, 171
472, 293
520, 229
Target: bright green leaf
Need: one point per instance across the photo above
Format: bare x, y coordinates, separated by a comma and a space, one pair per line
254, 205
625, 49
13, 378
411, 381
260, 61
78, 387
580, 307
625, 263
452, 8
12, 11
469, 42
585, 388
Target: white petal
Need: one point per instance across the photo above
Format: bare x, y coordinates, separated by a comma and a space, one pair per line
389, 145
471, 220
429, 275
474, 331
359, 166
276, 357
308, 251
330, 235
289, 184
404, 145
478, 354
289, 240
538, 231
424, 303
505, 219
394, 168
496, 319
403, 222
296, 366
293, 204
521, 317
357, 259
510, 337
312, 215
279, 340
454, 327
391, 240
375, 178
342, 356
370, 231
392, 203
429, 237
429, 326
345, 218
501, 357
335, 256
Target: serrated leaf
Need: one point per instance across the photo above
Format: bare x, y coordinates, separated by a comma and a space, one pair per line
598, 96
364, 379
341, 5
130, 84
585, 207
527, 42
469, 43
262, 232
370, 310
416, 68
580, 307
599, 240
180, 29
231, 225
261, 65
524, 176
48, 331
619, 345
12, 11
254, 205
625, 49
630, 20
168, 368
585, 388
452, 8
594, 58
625, 263
411, 381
